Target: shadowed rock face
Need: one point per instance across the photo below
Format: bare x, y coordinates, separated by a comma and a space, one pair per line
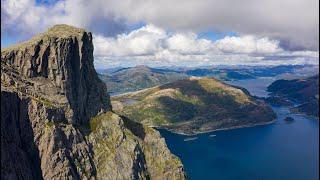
57, 121
17, 154
32, 148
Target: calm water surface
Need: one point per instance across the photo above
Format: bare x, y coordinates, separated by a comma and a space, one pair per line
278, 151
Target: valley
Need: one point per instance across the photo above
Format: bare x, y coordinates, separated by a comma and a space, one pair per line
291, 143
159, 90
251, 153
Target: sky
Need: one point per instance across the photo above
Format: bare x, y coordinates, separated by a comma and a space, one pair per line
177, 32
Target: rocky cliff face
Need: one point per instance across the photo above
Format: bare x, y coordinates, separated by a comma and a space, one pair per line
57, 121
60, 65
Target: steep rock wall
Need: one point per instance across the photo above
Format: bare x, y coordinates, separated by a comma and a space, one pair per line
57, 121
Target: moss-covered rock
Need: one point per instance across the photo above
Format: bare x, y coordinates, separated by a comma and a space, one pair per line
124, 149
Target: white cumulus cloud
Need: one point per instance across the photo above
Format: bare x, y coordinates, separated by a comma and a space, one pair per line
154, 46
295, 23
143, 41
248, 44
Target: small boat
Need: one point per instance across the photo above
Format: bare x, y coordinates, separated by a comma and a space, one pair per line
212, 135
190, 139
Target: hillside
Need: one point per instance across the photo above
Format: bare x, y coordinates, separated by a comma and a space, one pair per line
302, 91
139, 77
57, 121
194, 105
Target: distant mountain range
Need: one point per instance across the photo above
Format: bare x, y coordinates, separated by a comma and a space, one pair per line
122, 80
251, 72
194, 105
304, 91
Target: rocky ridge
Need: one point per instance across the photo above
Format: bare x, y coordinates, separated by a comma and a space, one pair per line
57, 121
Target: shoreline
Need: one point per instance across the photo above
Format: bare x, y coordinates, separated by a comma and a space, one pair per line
304, 115
220, 129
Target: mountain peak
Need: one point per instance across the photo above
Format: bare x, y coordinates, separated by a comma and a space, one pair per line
63, 30
57, 121
59, 31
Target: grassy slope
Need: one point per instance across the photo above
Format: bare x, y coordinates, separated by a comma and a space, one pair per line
196, 105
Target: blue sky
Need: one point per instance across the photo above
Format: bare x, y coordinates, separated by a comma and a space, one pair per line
6, 41
192, 33
212, 35
209, 34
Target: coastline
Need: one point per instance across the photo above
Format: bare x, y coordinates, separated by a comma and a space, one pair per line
304, 115
220, 129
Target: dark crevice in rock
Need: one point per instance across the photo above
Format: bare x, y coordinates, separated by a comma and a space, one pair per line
139, 165
44, 63
136, 128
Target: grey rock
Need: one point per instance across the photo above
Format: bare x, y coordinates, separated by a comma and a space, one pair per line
57, 121
61, 61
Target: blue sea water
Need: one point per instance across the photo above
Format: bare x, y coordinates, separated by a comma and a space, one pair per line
281, 150
256, 87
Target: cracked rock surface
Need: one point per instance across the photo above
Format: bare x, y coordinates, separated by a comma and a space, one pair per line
57, 121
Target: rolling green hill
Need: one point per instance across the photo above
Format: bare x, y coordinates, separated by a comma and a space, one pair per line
194, 105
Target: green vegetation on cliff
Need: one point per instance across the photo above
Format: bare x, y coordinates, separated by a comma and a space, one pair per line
119, 143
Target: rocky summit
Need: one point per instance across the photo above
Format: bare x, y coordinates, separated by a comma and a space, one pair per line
57, 67
57, 121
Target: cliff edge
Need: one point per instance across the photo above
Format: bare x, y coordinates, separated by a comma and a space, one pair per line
57, 121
